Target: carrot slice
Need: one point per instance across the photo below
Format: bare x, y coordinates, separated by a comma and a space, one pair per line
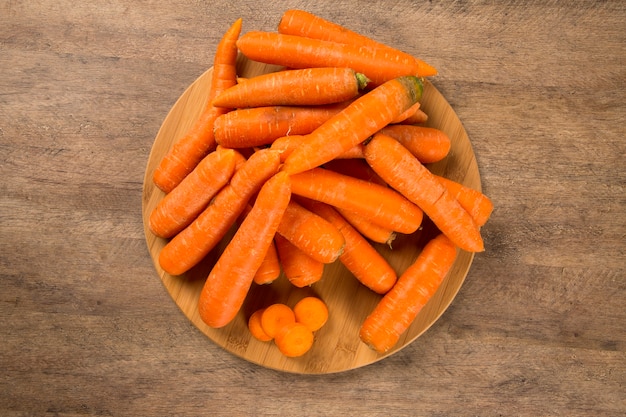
294, 340
275, 317
312, 312
255, 327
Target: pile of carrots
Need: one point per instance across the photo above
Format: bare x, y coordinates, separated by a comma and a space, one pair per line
313, 163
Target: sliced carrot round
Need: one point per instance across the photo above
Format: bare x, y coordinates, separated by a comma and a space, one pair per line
275, 317
312, 312
294, 340
254, 324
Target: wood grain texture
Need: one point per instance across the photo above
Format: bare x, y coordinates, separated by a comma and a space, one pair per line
537, 328
337, 347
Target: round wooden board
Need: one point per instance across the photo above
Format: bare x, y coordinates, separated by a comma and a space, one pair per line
337, 345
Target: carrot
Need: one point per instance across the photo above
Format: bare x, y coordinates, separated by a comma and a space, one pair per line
407, 113
261, 125
367, 228
309, 86
359, 257
311, 233
294, 340
232, 275
477, 204
286, 145
397, 309
312, 312
403, 172
377, 64
194, 242
275, 317
199, 140
357, 122
302, 23
185, 202
255, 327
419, 117
428, 144
355, 167
300, 269
382, 205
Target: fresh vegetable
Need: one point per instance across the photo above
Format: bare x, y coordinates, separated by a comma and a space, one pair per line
477, 204
185, 202
379, 64
300, 87
302, 23
227, 285
275, 317
270, 269
427, 144
367, 228
398, 308
358, 256
294, 340
259, 126
311, 233
403, 172
194, 242
300, 269
354, 124
191, 148
312, 312
256, 328
380, 204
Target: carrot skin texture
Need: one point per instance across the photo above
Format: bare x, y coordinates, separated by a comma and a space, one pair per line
189, 150
367, 228
259, 126
302, 23
286, 145
358, 121
194, 242
270, 269
428, 144
230, 279
377, 64
403, 172
311, 233
300, 269
299, 87
358, 256
395, 312
382, 205
185, 202
477, 204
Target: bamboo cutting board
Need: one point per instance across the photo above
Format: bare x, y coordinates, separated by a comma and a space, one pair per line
337, 346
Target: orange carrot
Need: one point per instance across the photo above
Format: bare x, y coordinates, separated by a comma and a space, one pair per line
275, 317
367, 228
382, 205
398, 308
403, 172
194, 242
189, 150
359, 257
312, 312
377, 64
428, 144
269, 270
355, 167
294, 340
232, 275
286, 145
299, 87
300, 269
357, 122
311, 233
408, 113
419, 117
181, 206
477, 204
258, 126
255, 327
302, 23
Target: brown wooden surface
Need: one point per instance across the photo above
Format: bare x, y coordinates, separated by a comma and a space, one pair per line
89, 329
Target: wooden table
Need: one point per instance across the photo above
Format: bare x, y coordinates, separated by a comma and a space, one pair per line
87, 327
